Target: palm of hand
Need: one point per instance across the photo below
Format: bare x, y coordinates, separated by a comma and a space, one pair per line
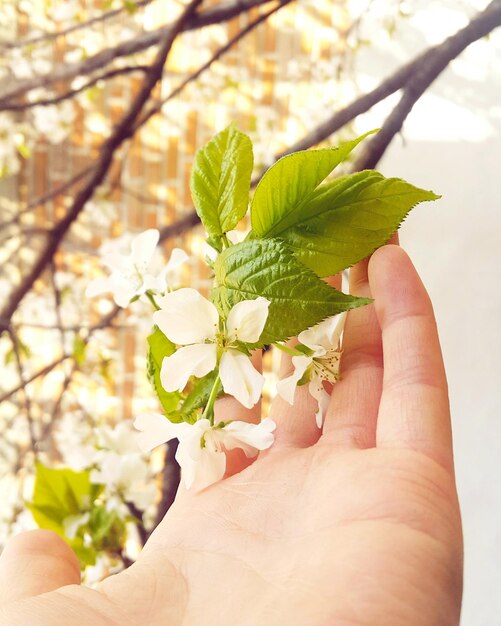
359, 527
350, 537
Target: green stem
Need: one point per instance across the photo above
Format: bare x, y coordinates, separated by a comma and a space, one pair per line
209, 409
152, 300
225, 240
287, 350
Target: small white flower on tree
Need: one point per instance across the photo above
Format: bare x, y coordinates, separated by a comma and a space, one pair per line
131, 274
191, 321
201, 450
319, 365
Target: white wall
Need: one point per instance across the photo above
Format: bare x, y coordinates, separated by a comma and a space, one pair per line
453, 146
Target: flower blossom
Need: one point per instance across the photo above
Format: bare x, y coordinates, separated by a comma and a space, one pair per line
131, 274
191, 321
321, 364
201, 450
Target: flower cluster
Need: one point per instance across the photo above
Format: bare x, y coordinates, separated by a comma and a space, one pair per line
203, 344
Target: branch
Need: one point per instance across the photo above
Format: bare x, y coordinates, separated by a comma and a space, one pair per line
23, 383
31, 41
144, 41
119, 71
122, 132
170, 482
478, 27
50, 195
217, 55
442, 55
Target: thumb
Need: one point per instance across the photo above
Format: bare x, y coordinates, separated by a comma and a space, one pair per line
36, 562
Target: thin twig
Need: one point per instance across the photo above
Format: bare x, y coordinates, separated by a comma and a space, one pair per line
123, 131
67, 95
216, 15
23, 383
32, 41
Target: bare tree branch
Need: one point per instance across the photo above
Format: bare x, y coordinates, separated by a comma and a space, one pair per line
437, 57
122, 132
118, 71
45, 37
423, 77
217, 55
49, 196
23, 384
63, 73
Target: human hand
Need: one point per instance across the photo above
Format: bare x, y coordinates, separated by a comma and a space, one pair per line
355, 526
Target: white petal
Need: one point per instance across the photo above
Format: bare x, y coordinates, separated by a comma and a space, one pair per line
72, 523
195, 360
249, 437
98, 286
157, 429
186, 317
246, 320
323, 336
240, 378
143, 247
287, 386
201, 466
317, 390
123, 290
118, 263
177, 258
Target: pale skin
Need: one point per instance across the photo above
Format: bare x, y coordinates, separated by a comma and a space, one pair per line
357, 525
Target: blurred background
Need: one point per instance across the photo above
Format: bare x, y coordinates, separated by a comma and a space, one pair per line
90, 155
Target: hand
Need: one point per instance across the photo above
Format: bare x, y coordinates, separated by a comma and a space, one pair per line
355, 526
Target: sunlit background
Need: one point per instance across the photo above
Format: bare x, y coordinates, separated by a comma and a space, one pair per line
73, 369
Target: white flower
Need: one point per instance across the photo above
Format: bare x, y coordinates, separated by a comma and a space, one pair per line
126, 474
130, 274
321, 365
190, 320
201, 446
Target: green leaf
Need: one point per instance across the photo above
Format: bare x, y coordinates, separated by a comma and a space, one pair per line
220, 181
59, 493
158, 348
289, 183
79, 348
62, 491
197, 398
346, 220
266, 267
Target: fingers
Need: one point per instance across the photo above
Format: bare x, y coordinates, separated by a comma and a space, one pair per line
35, 562
414, 407
352, 413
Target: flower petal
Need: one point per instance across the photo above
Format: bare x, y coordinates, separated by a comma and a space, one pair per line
324, 336
286, 387
177, 258
143, 247
157, 429
201, 466
249, 437
186, 317
247, 319
195, 360
240, 378
317, 390
98, 286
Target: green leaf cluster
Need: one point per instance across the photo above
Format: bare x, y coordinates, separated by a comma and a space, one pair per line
303, 229
306, 226
61, 494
